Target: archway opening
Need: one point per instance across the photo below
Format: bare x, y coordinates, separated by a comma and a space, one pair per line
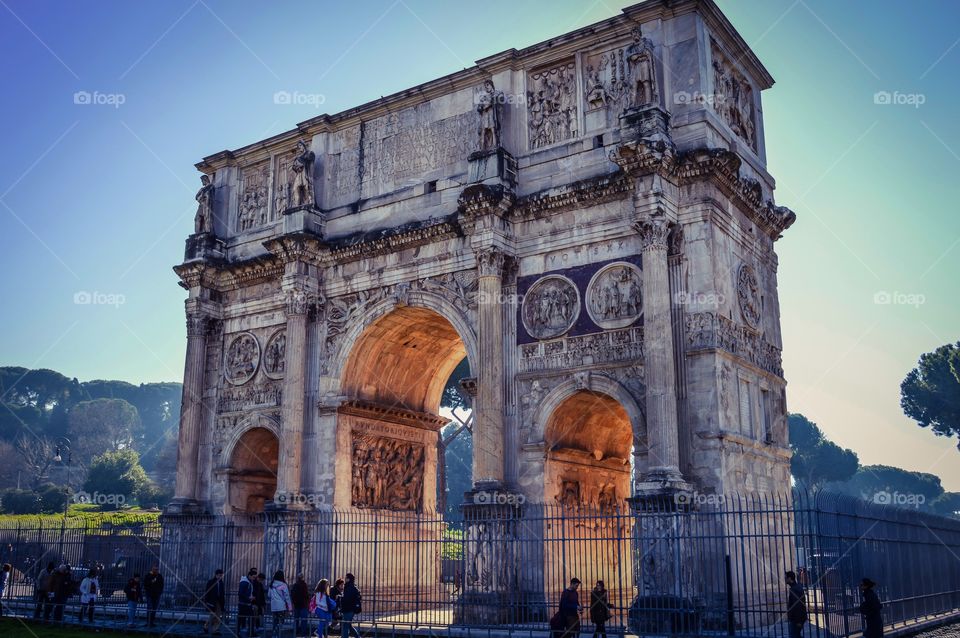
253, 476
588, 440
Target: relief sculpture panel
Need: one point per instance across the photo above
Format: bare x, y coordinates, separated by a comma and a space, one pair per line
241, 359
733, 97
552, 105
387, 473
614, 296
252, 211
550, 307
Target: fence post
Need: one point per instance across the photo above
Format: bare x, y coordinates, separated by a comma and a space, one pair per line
728, 573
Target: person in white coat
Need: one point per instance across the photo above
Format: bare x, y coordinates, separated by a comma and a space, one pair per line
89, 591
280, 602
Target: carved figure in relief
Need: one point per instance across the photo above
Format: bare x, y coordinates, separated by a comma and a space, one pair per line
550, 307
488, 107
203, 221
387, 474
614, 296
640, 56
302, 167
552, 109
569, 496
748, 294
242, 358
733, 101
597, 95
274, 357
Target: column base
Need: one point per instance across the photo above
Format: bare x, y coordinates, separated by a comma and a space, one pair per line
661, 492
184, 507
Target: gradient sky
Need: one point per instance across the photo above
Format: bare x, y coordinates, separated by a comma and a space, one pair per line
98, 198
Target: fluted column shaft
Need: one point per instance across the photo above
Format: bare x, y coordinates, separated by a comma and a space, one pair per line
191, 411
294, 393
488, 430
659, 364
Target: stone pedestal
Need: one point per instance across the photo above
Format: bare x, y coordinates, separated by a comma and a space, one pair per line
304, 219
202, 246
496, 166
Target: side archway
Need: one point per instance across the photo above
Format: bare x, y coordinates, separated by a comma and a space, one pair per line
250, 459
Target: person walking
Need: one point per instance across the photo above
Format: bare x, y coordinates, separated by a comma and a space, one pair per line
351, 605
796, 605
336, 592
599, 609
214, 599
89, 591
324, 607
41, 591
280, 603
300, 597
246, 602
871, 609
134, 593
260, 594
153, 589
570, 608
61, 586
4, 580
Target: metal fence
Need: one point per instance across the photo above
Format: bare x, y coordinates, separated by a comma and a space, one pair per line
703, 566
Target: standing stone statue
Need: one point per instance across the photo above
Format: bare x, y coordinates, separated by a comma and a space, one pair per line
488, 107
642, 76
203, 221
302, 167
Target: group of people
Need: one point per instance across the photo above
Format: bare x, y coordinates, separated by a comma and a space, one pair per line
566, 622
870, 607
334, 607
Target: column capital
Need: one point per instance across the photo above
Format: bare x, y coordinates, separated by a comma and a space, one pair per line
491, 261
653, 233
299, 299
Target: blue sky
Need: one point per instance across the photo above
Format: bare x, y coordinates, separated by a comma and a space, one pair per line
98, 198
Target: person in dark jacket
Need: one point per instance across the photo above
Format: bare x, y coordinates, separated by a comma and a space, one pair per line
134, 593
41, 591
61, 586
599, 609
153, 588
214, 599
260, 604
870, 608
300, 597
796, 605
349, 607
336, 592
245, 603
569, 611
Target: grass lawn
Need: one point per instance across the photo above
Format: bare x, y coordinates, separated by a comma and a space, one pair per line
80, 515
15, 628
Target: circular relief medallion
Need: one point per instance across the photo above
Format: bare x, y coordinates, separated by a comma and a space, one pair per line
550, 307
748, 294
242, 359
274, 355
614, 295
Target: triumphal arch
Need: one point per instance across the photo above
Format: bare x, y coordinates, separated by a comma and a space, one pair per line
588, 221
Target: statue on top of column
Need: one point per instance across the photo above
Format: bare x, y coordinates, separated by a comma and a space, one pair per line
489, 100
302, 167
203, 221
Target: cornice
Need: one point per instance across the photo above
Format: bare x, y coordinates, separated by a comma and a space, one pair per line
392, 414
581, 194
391, 240
294, 247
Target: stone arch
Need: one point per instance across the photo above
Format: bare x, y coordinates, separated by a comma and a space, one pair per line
457, 317
593, 382
250, 459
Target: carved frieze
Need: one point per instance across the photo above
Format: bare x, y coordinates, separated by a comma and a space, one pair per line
253, 209
241, 358
574, 497
733, 97
621, 78
550, 307
282, 178
386, 473
571, 352
274, 355
614, 295
249, 397
748, 295
552, 105
706, 330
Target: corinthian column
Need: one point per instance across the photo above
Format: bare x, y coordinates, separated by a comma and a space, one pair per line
488, 439
659, 365
298, 302
191, 410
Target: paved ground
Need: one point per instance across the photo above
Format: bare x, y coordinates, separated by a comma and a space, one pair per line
951, 631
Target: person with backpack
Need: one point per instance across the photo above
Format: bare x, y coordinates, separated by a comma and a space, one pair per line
350, 607
796, 605
214, 599
324, 607
153, 588
134, 593
89, 590
245, 603
300, 597
41, 591
280, 602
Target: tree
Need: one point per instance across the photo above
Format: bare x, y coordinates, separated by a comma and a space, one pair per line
102, 425
930, 393
816, 459
454, 398
947, 504
888, 485
115, 478
36, 453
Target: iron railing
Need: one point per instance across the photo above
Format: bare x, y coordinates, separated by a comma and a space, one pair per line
703, 565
